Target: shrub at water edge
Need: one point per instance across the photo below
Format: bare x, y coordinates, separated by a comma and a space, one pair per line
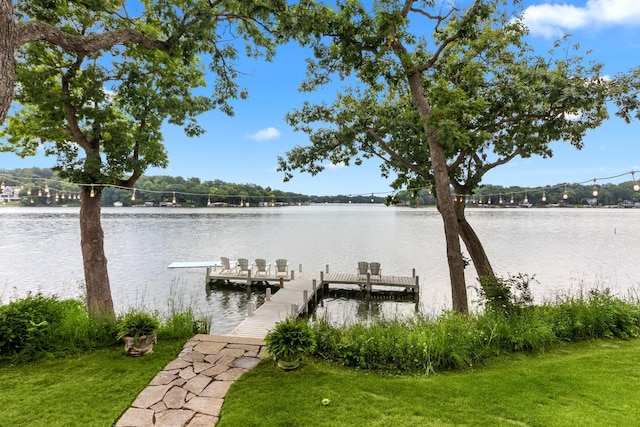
452, 340
38, 326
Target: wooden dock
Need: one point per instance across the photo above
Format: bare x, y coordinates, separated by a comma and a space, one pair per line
298, 293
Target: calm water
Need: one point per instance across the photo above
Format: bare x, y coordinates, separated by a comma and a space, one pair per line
566, 249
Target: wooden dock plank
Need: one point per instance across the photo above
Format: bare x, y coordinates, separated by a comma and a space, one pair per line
195, 264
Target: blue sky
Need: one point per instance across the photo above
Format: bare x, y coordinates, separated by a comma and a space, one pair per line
244, 148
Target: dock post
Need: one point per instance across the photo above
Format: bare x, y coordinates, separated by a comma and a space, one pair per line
293, 274
315, 292
249, 278
325, 285
250, 309
413, 272
305, 299
281, 282
368, 285
416, 290
327, 267
300, 268
294, 310
208, 275
268, 295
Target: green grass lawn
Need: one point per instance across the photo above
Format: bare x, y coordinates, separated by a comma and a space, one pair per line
586, 384
92, 389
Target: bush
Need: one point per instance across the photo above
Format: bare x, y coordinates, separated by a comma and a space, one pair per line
453, 340
508, 296
25, 323
37, 325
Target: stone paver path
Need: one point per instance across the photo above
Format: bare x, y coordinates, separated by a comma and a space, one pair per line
189, 391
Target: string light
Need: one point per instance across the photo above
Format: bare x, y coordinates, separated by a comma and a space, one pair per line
133, 195
511, 200
174, 197
2, 186
92, 193
500, 200
413, 192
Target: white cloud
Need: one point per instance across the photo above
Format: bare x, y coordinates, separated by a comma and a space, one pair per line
555, 19
264, 134
330, 165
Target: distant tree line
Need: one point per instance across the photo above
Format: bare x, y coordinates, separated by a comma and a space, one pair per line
193, 192
41, 186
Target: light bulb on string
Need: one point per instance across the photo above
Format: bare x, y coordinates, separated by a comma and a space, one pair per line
209, 202
526, 199
544, 196
511, 200
565, 195
489, 201
174, 197
636, 186
92, 193
500, 200
372, 199
39, 192
46, 189
595, 189
2, 186
28, 191
57, 198
133, 195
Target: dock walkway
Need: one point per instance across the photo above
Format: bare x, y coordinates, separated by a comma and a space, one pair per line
299, 292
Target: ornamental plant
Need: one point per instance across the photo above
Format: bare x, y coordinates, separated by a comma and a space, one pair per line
137, 324
290, 339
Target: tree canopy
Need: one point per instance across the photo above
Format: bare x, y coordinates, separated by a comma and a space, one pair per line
441, 96
96, 80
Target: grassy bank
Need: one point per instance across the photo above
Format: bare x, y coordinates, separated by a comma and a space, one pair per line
591, 383
90, 389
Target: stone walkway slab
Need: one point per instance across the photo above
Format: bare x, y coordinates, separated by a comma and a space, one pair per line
189, 391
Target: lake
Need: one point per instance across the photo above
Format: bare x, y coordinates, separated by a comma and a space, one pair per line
567, 249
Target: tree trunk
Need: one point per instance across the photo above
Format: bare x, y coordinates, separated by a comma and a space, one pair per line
99, 302
472, 242
443, 198
7, 58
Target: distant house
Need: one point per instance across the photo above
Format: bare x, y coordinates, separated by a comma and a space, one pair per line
10, 194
